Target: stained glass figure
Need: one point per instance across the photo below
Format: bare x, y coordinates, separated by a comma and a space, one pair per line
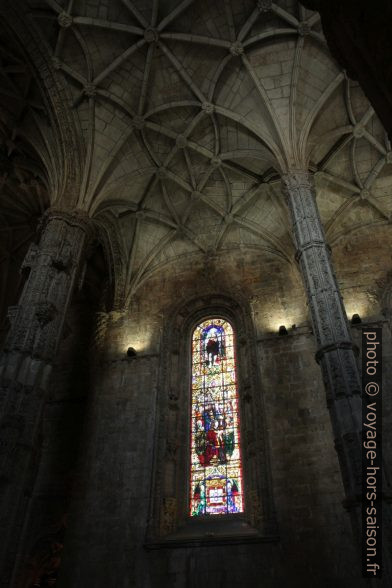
216, 469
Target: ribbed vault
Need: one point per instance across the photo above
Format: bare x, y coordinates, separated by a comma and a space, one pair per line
23, 165
190, 111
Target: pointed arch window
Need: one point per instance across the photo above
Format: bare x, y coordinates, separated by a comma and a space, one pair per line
216, 483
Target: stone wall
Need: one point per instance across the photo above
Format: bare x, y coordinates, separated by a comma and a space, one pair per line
109, 513
106, 543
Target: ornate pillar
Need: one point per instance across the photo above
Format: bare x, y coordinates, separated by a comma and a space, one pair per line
336, 352
55, 266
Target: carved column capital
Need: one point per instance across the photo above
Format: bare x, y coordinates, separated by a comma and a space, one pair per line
73, 218
298, 179
76, 217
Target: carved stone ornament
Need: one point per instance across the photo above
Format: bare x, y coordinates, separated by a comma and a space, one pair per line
172, 446
358, 131
56, 63
90, 90
138, 122
237, 48
195, 195
304, 29
151, 35
64, 19
216, 161
256, 508
169, 514
173, 400
208, 107
181, 141
264, 5
63, 260
364, 194
30, 257
161, 173
45, 312
12, 313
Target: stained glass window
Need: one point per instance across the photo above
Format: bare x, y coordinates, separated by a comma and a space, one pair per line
216, 471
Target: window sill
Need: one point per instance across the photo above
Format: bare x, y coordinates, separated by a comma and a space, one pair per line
233, 530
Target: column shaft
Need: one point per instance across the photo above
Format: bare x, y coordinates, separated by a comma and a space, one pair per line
336, 352
25, 365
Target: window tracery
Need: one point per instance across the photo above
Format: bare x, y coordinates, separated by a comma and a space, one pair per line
173, 491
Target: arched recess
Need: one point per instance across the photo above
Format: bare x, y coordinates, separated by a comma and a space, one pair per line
169, 511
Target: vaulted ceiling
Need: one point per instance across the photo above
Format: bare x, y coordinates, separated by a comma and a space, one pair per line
187, 112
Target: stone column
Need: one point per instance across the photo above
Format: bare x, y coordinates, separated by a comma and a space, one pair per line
55, 266
336, 352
